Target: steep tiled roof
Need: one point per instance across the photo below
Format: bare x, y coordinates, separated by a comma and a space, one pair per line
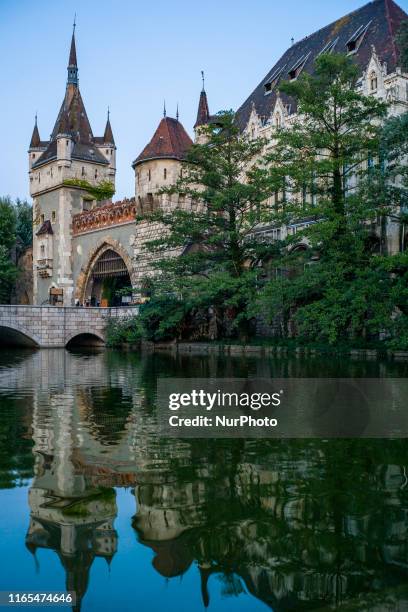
108, 134
170, 141
46, 228
72, 53
203, 113
383, 18
73, 121
35, 138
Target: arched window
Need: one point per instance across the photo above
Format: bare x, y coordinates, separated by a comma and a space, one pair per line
373, 81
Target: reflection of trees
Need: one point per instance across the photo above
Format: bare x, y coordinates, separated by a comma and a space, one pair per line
16, 458
301, 524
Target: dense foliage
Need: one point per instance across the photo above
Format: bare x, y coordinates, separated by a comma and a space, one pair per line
336, 178
15, 237
342, 170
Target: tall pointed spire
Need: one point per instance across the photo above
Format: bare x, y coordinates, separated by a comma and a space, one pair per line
177, 112
203, 113
164, 108
108, 134
35, 138
72, 62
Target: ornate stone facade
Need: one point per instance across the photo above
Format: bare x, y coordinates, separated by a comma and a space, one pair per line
71, 232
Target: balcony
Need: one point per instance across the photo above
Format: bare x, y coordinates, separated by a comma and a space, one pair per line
44, 267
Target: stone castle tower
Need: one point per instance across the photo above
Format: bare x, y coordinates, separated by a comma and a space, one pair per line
86, 250
72, 152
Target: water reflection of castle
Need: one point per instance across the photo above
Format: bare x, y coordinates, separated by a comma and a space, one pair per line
286, 521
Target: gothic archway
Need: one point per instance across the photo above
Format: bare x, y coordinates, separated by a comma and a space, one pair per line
107, 273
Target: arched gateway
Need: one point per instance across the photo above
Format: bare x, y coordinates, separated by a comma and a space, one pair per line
106, 277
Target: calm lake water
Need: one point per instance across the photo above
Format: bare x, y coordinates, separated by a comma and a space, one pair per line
93, 501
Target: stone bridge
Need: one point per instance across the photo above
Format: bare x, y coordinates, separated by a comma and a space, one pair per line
55, 327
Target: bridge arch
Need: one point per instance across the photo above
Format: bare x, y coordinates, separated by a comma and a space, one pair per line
91, 338
18, 335
96, 255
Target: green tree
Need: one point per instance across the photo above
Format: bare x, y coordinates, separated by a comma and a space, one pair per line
8, 223
332, 164
24, 223
8, 272
228, 187
8, 275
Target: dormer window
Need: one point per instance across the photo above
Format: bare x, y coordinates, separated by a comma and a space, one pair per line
329, 47
373, 81
354, 42
273, 80
297, 67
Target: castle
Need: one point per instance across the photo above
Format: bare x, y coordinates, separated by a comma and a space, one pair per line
85, 250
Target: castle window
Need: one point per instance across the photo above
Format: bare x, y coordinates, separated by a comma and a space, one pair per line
107, 151
53, 215
96, 174
165, 174
354, 42
273, 79
42, 217
33, 155
150, 175
373, 81
67, 142
298, 67
39, 177
138, 177
42, 250
83, 171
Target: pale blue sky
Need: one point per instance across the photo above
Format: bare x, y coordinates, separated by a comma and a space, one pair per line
132, 54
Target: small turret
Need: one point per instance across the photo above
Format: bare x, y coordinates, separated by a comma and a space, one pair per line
35, 138
203, 113
37, 146
65, 141
160, 163
108, 134
106, 146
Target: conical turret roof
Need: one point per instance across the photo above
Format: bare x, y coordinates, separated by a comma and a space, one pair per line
170, 141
